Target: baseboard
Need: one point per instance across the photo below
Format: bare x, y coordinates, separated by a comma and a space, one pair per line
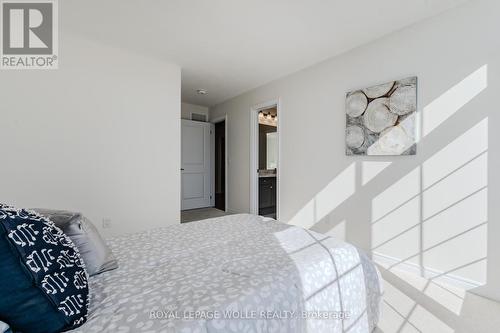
429, 273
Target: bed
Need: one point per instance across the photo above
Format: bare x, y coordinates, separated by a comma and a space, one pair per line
238, 273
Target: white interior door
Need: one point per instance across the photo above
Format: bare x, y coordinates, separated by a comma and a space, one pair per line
196, 166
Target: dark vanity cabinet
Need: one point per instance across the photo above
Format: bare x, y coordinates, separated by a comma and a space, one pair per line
267, 196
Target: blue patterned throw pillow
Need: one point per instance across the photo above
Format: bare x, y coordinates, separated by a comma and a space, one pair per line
43, 281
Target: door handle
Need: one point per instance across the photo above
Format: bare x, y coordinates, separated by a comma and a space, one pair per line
182, 169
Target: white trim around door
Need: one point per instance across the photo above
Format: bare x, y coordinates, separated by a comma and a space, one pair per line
254, 155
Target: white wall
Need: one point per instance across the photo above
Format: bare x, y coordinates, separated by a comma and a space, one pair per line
101, 135
456, 57
187, 109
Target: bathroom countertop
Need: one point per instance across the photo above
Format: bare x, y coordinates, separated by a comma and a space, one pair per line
267, 175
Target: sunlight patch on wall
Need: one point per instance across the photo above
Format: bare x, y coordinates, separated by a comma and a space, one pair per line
396, 223
456, 186
458, 219
471, 274
336, 192
396, 195
306, 216
402, 251
443, 242
457, 153
434, 114
443, 261
455, 209
454, 99
371, 169
328, 199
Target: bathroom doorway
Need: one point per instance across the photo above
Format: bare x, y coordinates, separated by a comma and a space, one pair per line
265, 160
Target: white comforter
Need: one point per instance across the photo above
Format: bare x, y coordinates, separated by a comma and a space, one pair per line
237, 273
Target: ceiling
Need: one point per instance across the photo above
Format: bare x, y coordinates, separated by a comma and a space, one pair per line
231, 46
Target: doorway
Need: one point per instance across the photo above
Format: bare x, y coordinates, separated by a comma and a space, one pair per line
220, 165
265, 166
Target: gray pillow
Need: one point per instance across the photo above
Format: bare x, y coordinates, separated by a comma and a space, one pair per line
96, 254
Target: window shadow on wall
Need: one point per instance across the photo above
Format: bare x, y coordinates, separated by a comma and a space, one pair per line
427, 230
